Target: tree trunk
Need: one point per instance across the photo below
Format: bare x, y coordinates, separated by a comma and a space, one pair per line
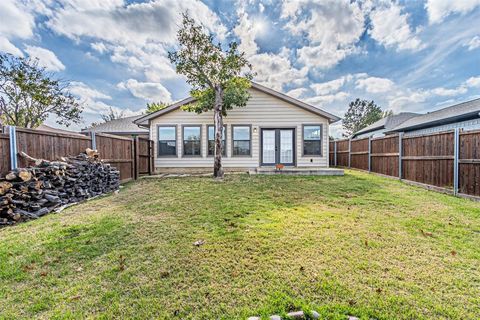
217, 165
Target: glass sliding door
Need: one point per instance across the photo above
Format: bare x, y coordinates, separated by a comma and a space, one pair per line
286, 146
268, 147
278, 147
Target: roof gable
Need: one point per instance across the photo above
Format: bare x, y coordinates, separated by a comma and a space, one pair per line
332, 118
122, 125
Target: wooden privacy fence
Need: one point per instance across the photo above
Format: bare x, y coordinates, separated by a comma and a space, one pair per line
131, 157
449, 160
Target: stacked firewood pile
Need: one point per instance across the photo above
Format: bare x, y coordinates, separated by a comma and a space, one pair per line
32, 192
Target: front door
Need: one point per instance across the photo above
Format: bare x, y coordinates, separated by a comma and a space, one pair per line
278, 147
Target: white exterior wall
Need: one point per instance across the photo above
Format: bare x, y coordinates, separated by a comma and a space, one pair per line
262, 111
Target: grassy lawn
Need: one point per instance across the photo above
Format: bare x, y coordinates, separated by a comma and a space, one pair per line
354, 245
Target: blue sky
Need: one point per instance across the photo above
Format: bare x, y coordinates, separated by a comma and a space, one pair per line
406, 56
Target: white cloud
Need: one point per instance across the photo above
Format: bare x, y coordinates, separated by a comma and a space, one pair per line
8, 47
390, 28
275, 70
246, 31
332, 28
150, 91
137, 23
474, 43
16, 20
330, 86
440, 9
100, 47
444, 92
297, 93
473, 82
83, 91
90, 98
133, 34
329, 98
46, 58
375, 85
407, 100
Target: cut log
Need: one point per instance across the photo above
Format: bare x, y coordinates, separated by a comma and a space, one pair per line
32, 192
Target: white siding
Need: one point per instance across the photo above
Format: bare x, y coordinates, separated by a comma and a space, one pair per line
262, 110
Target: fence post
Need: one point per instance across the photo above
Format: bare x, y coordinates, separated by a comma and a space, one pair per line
369, 154
12, 133
335, 153
136, 159
94, 140
400, 152
456, 151
349, 151
151, 157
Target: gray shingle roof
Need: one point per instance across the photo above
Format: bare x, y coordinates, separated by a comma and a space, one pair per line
388, 123
461, 111
44, 127
123, 125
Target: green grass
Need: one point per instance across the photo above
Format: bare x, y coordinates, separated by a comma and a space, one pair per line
354, 245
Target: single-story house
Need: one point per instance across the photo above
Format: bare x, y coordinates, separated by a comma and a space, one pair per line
465, 115
378, 128
120, 127
271, 129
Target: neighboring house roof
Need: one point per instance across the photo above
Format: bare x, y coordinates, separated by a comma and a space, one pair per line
119, 126
44, 127
387, 123
332, 118
458, 112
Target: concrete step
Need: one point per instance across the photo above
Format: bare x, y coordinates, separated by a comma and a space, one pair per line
314, 171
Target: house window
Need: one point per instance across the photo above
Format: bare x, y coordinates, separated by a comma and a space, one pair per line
192, 144
167, 141
312, 140
241, 137
211, 141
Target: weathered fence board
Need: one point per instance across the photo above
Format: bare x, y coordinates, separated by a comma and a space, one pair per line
385, 156
427, 159
144, 153
359, 154
115, 150
48, 145
342, 153
469, 163
4, 153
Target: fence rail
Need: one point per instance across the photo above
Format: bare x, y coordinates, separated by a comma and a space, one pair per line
118, 151
448, 160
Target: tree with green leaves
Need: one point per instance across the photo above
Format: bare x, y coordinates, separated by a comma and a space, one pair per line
29, 94
360, 114
220, 79
155, 106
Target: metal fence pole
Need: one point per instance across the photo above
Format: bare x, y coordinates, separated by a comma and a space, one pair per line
12, 132
369, 154
335, 153
94, 140
400, 152
456, 151
349, 152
